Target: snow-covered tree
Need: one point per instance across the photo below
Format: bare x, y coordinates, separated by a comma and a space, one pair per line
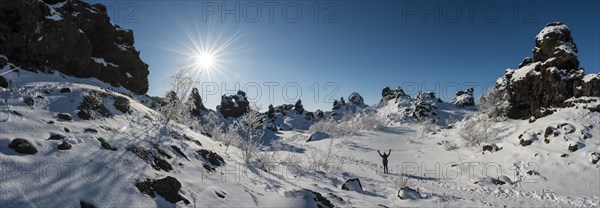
182, 82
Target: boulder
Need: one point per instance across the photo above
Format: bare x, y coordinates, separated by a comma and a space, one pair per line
65, 90
525, 142
595, 157
317, 136
167, 187
83, 204
211, 157
29, 101
65, 116
3, 82
566, 127
106, 145
406, 193
64, 146
161, 164
573, 147
352, 185
122, 104
56, 137
22, 146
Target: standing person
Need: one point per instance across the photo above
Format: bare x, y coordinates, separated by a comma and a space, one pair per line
385, 160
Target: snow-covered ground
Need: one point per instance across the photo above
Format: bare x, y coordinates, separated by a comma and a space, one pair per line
443, 176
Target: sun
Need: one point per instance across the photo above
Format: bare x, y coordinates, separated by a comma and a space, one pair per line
205, 61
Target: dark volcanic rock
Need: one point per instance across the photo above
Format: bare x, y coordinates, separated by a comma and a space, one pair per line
195, 101
352, 185
356, 99
3, 82
550, 78
64, 146
106, 145
525, 142
573, 147
83, 204
80, 41
168, 188
29, 101
65, 90
161, 164
92, 106
122, 104
65, 116
299, 107
56, 137
212, 157
234, 105
22, 146
464, 99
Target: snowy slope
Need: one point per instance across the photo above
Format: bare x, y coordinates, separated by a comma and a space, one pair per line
444, 178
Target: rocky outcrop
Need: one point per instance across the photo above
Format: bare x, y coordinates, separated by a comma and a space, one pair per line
73, 37
387, 94
464, 98
299, 107
234, 105
549, 78
356, 99
195, 101
93, 106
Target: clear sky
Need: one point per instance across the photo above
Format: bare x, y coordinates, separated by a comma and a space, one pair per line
319, 50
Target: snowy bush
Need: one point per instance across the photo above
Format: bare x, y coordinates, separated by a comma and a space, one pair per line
349, 124
495, 104
449, 146
477, 129
326, 160
248, 131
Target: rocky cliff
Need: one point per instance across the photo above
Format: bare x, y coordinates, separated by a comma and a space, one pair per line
73, 37
552, 76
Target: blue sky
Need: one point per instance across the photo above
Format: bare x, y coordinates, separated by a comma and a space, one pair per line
351, 46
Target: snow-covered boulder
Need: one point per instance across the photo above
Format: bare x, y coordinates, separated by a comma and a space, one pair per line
356, 99
464, 98
407, 193
317, 136
352, 185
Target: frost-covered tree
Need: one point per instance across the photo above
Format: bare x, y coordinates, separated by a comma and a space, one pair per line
249, 128
495, 104
182, 82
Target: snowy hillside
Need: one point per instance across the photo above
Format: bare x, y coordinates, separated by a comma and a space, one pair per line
134, 162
